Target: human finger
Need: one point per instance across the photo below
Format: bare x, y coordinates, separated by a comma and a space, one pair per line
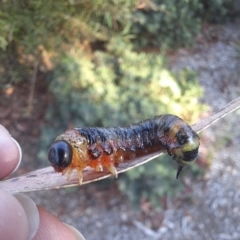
13, 220
32, 213
52, 228
10, 153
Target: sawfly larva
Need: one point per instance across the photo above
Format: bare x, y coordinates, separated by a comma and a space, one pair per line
100, 147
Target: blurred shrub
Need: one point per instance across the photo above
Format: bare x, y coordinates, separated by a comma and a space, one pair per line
173, 24
167, 23
31, 23
30, 27
57, 24
120, 87
218, 11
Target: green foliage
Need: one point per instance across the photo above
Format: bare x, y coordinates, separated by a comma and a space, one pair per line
30, 26
217, 11
172, 24
151, 181
155, 180
167, 23
119, 87
52, 24
31, 23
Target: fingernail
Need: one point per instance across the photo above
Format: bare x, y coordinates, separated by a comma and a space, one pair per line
32, 213
76, 233
20, 154
10, 153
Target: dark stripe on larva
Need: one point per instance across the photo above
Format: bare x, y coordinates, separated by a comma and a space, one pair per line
135, 136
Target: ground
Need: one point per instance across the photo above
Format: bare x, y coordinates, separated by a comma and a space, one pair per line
209, 210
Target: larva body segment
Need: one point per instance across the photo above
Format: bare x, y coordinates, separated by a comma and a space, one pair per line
107, 147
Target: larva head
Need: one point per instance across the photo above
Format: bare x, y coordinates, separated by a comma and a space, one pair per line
187, 145
60, 155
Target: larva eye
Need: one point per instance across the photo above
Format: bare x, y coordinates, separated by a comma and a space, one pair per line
60, 155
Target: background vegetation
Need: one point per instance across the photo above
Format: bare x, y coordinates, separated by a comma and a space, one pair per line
97, 62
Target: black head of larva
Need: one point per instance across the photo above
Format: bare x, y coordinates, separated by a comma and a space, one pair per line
60, 155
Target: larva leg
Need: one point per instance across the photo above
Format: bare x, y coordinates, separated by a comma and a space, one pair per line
99, 168
80, 176
96, 165
108, 162
64, 171
180, 168
69, 173
111, 168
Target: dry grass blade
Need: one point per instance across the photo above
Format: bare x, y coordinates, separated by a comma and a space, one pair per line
205, 123
47, 178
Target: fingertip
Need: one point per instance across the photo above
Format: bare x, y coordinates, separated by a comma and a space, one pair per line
13, 220
52, 228
32, 213
76, 233
10, 153
4, 131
